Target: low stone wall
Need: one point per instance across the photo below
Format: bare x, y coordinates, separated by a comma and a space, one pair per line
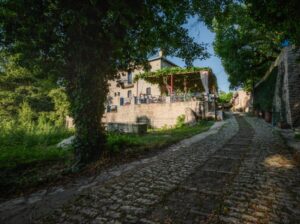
156, 115
127, 128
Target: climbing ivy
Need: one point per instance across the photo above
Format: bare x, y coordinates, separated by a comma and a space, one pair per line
189, 77
264, 93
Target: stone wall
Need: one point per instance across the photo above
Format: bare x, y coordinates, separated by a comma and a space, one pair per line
157, 115
286, 101
293, 70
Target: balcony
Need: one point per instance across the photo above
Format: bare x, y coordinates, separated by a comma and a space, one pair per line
124, 83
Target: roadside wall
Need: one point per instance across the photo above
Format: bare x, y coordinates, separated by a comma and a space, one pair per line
287, 93
286, 100
157, 115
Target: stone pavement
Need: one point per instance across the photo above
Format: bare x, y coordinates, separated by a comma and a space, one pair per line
242, 174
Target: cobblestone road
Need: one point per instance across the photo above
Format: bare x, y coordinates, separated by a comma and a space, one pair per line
242, 174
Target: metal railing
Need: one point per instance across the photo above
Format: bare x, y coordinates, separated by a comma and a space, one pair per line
150, 99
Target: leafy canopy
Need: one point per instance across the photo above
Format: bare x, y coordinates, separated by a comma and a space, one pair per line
245, 44
85, 43
184, 79
225, 97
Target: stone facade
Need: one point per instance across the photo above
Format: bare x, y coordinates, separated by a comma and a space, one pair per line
241, 101
124, 94
286, 102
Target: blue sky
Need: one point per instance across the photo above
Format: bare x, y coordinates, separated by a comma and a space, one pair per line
200, 33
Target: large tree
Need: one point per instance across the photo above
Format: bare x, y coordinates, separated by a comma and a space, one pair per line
280, 16
85, 43
246, 47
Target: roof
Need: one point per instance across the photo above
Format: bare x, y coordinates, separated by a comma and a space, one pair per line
163, 59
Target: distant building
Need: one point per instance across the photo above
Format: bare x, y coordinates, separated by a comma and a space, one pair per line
241, 101
126, 90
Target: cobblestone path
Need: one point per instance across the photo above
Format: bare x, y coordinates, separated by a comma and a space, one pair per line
242, 174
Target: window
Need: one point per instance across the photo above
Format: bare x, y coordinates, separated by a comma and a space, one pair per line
129, 94
129, 78
148, 91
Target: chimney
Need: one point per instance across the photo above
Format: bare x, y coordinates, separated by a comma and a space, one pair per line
160, 53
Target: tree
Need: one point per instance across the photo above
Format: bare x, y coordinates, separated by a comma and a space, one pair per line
85, 43
38, 91
281, 16
246, 47
225, 97
18, 85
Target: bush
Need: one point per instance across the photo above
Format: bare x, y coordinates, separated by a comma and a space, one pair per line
180, 121
27, 139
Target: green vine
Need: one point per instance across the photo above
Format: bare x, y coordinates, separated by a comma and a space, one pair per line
264, 93
185, 79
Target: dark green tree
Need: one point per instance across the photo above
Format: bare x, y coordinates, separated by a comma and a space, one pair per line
19, 85
85, 43
225, 97
280, 16
245, 46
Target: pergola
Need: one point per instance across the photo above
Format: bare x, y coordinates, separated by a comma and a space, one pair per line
185, 80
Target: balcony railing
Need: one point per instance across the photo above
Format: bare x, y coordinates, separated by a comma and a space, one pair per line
125, 83
150, 99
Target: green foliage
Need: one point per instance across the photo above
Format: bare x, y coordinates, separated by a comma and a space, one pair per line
25, 115
118, 142
155, 139
85, 43
246, 49
180, 121
279, 16
245, 46
264, 93
26, 143
61, 106
24, 95
225, 97
185, 79
167, 71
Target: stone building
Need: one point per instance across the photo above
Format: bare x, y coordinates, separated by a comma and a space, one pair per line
286, 95
132, 100
241, 101
124, 90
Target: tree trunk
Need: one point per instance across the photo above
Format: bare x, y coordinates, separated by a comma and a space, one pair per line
87, 93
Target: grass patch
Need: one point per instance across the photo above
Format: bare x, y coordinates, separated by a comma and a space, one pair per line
21, 146
29, 158
156, 138
297, 136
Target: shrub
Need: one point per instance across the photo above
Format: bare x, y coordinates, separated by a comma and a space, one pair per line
180, 121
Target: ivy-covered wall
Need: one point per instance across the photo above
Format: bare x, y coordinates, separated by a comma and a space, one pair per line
279, 93
264, 93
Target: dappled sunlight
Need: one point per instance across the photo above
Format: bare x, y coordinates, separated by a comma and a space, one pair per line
279, 161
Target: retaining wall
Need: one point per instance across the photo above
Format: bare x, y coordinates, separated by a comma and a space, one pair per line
156, 115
